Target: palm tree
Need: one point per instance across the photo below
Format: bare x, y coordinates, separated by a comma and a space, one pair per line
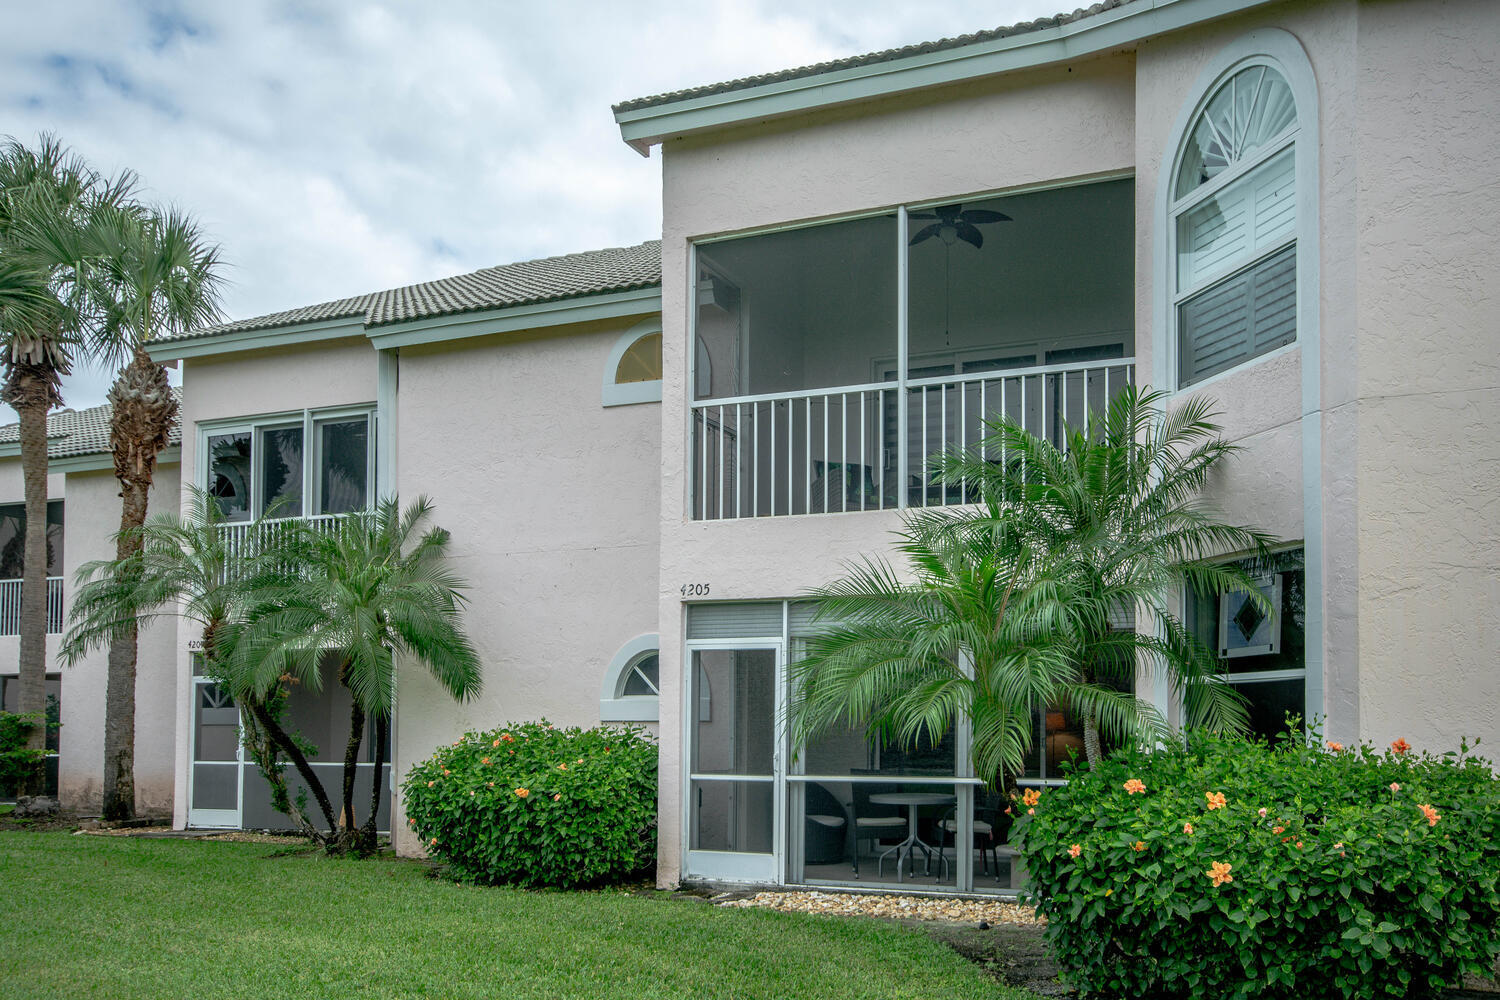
1120, 505
373, 589
46, 196
982, 630
155, 274
1011, 601
190, 566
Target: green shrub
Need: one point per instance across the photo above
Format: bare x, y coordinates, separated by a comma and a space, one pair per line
20, 767
1324, 872
532, 805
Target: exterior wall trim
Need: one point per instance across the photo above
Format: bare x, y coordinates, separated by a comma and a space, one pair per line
250, 340
99, 461
563, 312
613, 707
624, 393
644, 127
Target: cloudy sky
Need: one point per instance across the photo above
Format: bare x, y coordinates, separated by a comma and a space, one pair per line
337, 148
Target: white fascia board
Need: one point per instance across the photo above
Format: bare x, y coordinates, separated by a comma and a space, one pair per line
642, 128
96, 462
251, 340
563, 312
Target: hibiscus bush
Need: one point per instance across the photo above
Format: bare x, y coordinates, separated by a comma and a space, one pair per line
1231, 868
532, 805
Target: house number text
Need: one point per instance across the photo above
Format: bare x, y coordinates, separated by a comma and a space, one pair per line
695, 590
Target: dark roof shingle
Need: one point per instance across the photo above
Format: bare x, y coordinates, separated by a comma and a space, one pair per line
870, 58
80, 432
550, 279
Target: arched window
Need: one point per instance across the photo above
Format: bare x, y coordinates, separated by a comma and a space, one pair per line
632, 683
632, 374
1233, 218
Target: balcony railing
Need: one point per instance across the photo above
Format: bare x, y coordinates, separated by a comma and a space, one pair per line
239, 535
10, 606
845, 448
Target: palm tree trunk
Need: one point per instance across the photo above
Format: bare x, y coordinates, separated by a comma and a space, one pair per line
32, 390
351, 770
143, 410
299, 761
367, 833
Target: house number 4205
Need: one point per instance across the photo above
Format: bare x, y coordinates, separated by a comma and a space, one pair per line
695, 590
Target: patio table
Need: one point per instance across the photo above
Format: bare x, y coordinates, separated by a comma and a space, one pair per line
913, 801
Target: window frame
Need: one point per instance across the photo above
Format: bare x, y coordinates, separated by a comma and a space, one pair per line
614, 704
628, 393
1282, 52
310, 420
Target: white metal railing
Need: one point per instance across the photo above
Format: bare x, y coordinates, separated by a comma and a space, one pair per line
238, 534
10, 606
844, 448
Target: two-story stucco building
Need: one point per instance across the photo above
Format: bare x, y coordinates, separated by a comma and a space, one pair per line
646, 455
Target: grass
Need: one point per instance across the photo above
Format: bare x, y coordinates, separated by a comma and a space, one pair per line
114, 916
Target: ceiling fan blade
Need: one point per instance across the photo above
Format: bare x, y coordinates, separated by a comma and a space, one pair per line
925, 233
949, 213
969, 234
980, 216
920, 215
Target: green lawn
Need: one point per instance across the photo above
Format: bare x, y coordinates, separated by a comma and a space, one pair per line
115, 917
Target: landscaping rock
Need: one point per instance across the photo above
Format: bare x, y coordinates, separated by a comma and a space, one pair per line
34, 807
849, 904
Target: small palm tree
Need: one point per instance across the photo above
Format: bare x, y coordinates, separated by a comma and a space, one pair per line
192, 566
154, 273
1120, 506
373, 589
1010, 603
47, 196
983, 631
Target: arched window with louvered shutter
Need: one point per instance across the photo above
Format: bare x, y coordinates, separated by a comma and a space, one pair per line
1234, 224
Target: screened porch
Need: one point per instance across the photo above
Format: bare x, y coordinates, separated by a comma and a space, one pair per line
832, 362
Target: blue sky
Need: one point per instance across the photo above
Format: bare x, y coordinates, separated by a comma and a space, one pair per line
339, 148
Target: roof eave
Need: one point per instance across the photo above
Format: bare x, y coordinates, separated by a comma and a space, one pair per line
508, 319
642, 128
94, 461
249, 340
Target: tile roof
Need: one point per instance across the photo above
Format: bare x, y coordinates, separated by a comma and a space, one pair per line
80, 432
551, 279
888, 55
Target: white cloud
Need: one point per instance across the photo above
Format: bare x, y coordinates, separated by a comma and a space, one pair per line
335, 149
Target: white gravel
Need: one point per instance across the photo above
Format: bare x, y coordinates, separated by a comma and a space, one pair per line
850, 904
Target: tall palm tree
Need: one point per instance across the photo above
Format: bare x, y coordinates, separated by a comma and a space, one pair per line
154, 274
1120, 504
374, 587
191, 566
47, 194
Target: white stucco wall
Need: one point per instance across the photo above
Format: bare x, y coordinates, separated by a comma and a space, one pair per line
92, 516
1428, 425
1064, 123
551, 499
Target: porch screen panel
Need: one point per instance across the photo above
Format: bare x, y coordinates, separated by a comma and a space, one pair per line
281, 469
344, 465
229, 473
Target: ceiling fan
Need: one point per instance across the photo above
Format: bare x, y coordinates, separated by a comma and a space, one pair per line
954, 222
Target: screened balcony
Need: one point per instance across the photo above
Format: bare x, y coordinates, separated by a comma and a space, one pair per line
833, 362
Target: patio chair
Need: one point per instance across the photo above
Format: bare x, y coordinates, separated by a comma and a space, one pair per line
827, 824
991, 831
874, 822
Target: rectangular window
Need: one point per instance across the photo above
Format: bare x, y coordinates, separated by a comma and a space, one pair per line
13, 539
1262, 653
229, 473
315, 465
281, 469
343, 464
